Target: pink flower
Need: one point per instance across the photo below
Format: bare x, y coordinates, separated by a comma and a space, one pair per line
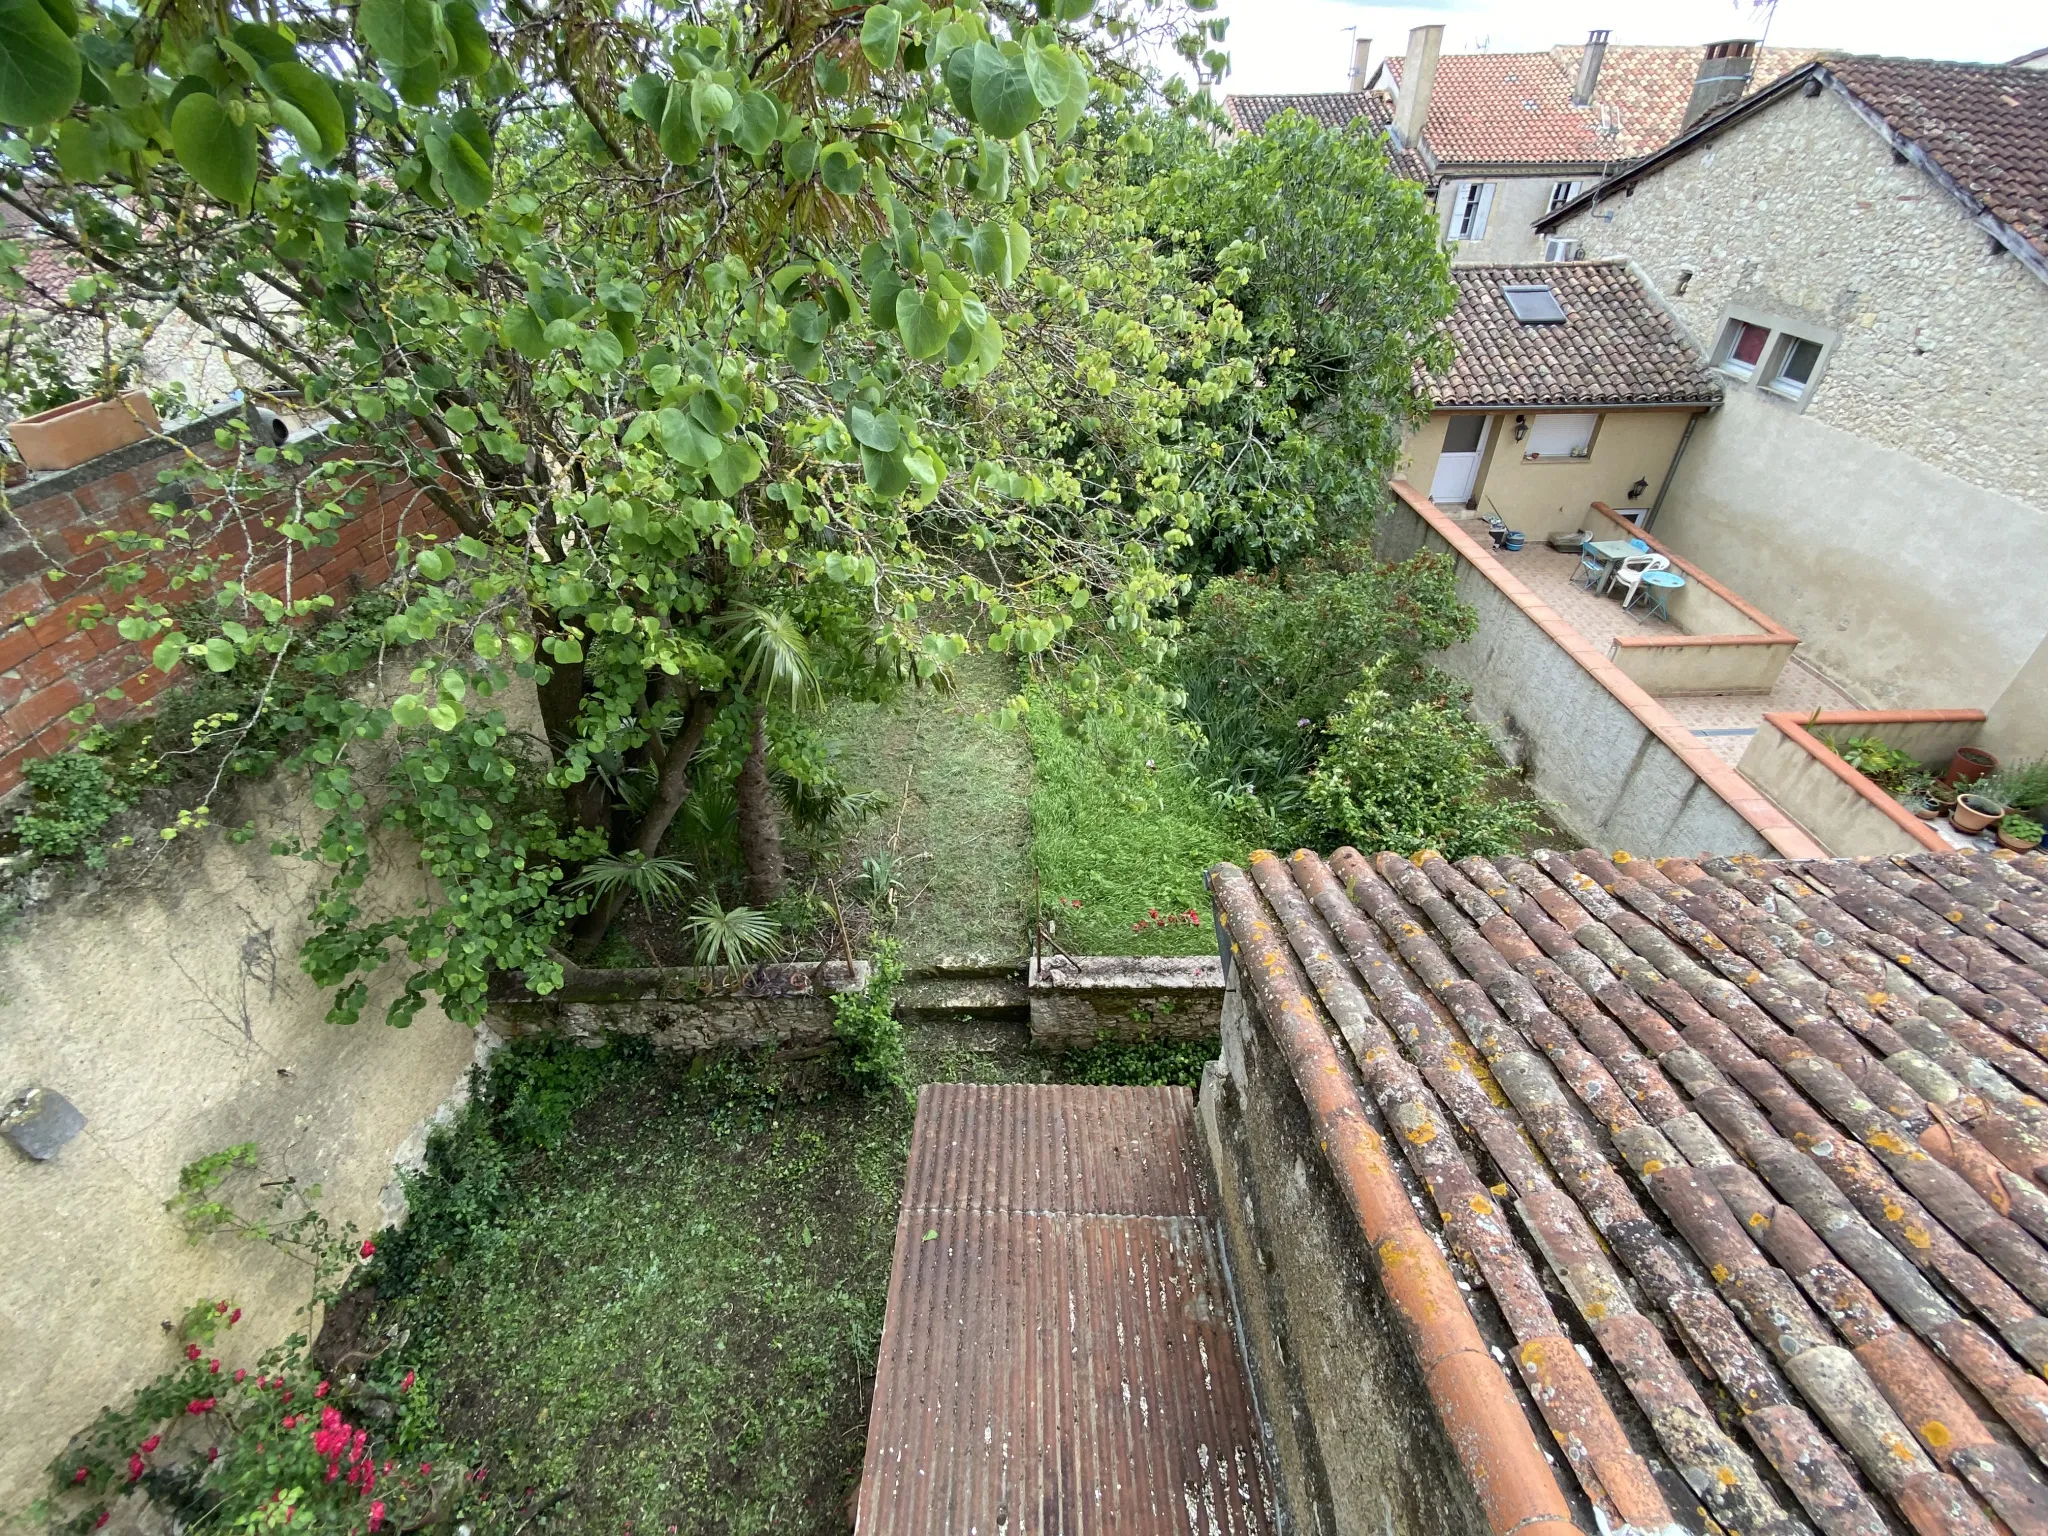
376, 1514
426, 1468
105, 1516
134, 1469
321, 1390
213, 1367
220, 1306
191, 1351
213, 1453
151, 1443
239, 1375
290, 1422
200, 1405
234, 1317
81, 1475
406, 1385
369, 1249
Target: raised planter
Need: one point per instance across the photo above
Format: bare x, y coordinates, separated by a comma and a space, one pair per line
1077, 1001
67, 435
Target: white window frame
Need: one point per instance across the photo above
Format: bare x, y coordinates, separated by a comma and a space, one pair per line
1550, 424
1782, 347
1731, 333
1563, 192
1469, 210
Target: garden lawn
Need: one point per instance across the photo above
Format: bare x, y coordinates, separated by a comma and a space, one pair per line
955, 831
1125, 841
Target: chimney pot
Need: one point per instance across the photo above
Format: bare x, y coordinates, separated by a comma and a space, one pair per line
1361, 56
1418, 79
1589, 67
1725, 71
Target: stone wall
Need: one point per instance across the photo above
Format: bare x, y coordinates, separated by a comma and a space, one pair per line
1352, 1439
55, 655
165, 1000
1078, 1000
1894, 518
688, 1009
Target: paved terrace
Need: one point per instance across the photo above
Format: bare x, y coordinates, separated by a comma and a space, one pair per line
1724, 722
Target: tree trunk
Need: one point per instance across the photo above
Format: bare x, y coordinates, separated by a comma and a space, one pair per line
670, 791
760, 836
561, 696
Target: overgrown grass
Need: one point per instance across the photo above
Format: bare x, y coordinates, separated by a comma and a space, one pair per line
1120, 826
1140, 1063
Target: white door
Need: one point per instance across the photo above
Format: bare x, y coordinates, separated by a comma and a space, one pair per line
1457, 467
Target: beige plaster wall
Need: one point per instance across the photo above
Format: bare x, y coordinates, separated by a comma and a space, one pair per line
1556, 496
1818, 800
1894, 521
1670, 670
1518, 201
2016, 726
169, 1006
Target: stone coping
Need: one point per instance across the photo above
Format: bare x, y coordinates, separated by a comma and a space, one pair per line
684, 983
1774, 633
1773, 825
1126, 973
1824, 1074
1794, 727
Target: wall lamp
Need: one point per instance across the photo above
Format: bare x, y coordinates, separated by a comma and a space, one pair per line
1638, 488
1521, 428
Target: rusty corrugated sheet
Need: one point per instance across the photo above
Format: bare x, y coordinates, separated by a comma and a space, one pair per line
1058, 1355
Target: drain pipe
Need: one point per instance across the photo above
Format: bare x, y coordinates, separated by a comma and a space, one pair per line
1650, 521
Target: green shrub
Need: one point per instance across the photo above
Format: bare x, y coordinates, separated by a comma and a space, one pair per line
1887, 767
1140, 1063
865, 1023
73, 797
1403, 777
2023, 786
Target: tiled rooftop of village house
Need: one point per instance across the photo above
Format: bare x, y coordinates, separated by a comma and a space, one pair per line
1774, 1133
1332, 109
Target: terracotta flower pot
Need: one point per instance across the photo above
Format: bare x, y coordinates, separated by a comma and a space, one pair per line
2017, 844
1968, 765
1973, 813
1926, 810
71, 434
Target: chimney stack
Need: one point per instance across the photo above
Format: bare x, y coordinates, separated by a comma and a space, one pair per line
1418, 79
1724, 75
1361, 56
1589, 68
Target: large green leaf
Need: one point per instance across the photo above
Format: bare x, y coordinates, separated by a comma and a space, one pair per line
679, 140
736, 465
1046, 68
882, 295
758, 122
40, 70
839, 165
880, 30
473, 52
1004, 103
266, 44
420, 84
218, 152
314, 98
647, 96
525, 333
83, 153
65, 14
711, 104
924, 320
873, 429
959, 73
683, 438
402, 33
885, 471
1075, 101
464, 173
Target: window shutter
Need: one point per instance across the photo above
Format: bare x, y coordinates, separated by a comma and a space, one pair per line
1485, 190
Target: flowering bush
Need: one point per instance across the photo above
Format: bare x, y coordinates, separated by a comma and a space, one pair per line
281, 1446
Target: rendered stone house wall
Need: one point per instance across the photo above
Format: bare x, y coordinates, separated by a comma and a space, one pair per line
1895, 519
1518, 201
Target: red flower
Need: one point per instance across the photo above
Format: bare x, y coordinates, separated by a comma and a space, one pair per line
426, 1467
81, 1475
239, 1375
151, 1443
213, 1367
134, 1469
191, 1351
406, 1385
321, 1390
213, 1453
234, 1317
1155, 914
290, 1422
200, 1405
369, 1249
220, 1306
105, 1516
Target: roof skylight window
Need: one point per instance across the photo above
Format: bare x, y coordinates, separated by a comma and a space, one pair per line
1533, 303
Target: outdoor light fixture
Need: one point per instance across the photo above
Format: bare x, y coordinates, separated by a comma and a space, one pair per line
1521, 428
1638, 488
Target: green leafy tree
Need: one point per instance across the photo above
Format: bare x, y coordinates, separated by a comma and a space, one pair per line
742, 352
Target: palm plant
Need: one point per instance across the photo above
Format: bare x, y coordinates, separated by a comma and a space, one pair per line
660, 878
731, 936
774, 654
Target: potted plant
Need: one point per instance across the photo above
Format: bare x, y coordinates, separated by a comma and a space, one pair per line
1921, 804
72, 433
2023, 786
2019, 834
1942, 793
1973, 813
1968, 764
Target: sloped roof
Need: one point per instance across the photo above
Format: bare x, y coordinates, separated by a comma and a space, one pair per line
1615, 346
1333, 109
1779, 1123
1507, 108
1985, 125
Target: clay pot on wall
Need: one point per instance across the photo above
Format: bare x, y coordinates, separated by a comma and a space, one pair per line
67, 435
1973, 813
2029, 840
1968, 765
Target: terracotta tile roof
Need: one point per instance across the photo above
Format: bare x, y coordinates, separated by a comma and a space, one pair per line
1615, 346
1778, 1123
1506, 108
1333, 109
1984, 125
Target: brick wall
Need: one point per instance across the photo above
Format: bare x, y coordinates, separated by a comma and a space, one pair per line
53, 573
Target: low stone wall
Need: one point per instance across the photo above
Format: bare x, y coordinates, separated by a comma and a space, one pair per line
1077, 1001
1352, 1439
1788, 760
1621, 772
688, 1009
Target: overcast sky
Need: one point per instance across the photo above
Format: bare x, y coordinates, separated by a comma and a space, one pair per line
1305, 45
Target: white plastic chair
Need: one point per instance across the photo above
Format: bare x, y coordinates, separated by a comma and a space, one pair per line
1629, 577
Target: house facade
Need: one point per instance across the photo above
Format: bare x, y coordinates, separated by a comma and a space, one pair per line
1570, 385
1860, 253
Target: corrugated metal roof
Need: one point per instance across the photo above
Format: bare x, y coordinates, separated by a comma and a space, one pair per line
1058, 1355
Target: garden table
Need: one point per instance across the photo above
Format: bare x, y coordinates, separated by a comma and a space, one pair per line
1659, 585
1612, 552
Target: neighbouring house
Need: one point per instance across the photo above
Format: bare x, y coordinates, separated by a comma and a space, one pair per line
1860, 250
1508, 137
1571, 386
1333, 109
